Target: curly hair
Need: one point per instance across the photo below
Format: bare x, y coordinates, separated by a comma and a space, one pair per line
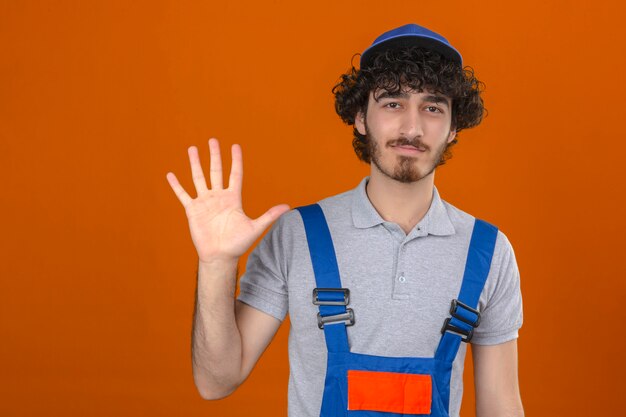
413, 68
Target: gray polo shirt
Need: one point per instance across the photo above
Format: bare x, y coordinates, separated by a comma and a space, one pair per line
400, 286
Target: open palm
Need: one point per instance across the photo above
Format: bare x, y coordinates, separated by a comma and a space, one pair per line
220, 230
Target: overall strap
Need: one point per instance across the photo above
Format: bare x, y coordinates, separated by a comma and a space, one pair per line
477, 267
326, 272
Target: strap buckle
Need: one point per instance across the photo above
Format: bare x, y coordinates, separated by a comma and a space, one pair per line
464, 317
455, 313
347, 318
318, 302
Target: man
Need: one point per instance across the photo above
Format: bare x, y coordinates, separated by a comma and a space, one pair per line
384, 261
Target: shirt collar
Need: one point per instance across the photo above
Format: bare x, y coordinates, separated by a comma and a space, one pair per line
364, 215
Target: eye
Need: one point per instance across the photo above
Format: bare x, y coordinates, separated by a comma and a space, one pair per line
434, 109
393, 105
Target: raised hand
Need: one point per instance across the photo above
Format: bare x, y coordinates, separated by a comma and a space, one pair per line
220, 230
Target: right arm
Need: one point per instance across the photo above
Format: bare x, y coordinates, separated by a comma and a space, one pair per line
228, 336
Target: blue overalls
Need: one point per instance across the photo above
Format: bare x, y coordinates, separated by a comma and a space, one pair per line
360, 385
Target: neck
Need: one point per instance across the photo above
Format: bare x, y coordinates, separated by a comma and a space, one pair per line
403, 203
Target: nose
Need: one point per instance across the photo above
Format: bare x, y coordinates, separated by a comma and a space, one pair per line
411, 126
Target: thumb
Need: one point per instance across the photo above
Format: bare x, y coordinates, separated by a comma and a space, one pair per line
267, 218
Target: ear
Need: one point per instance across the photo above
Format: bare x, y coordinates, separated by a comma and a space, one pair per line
451, 135
359, 122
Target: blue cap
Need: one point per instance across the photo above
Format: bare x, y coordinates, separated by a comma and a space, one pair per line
410, 35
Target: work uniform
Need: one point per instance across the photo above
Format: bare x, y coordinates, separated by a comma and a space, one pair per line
400, 286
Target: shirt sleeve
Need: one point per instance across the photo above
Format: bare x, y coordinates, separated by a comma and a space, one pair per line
500, 303
263, 284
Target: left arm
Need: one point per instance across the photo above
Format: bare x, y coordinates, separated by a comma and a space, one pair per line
496, 380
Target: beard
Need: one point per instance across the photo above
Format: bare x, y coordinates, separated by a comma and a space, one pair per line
405, 169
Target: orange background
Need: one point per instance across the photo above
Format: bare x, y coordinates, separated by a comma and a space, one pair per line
100, 99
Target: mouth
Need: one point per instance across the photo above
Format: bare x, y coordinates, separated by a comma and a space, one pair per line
409, 149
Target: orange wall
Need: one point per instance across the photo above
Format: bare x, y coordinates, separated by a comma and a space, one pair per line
100, 99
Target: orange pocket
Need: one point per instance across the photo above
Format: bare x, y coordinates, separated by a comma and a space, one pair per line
390, 392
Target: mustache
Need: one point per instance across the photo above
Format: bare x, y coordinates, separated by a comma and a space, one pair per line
407, 142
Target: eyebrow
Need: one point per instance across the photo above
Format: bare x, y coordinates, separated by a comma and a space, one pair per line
387, 94
437, 99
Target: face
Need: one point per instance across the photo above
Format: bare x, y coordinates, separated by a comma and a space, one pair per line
407, 132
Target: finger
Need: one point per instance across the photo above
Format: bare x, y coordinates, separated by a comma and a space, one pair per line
216, 165
182, 195
267, 218
236, 169
196, 170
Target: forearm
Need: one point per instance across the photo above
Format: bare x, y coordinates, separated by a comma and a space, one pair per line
216, 341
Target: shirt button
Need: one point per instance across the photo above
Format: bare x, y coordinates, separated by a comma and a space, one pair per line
401, 278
